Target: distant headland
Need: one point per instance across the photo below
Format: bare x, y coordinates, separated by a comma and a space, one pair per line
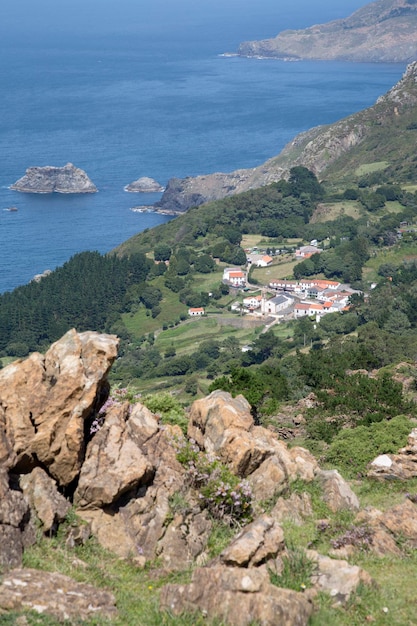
50, 179
380, 32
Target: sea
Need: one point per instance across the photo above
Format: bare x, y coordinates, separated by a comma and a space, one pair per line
131, 88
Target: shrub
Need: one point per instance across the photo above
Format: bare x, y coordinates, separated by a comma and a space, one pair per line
351, 450
226, 497
168, 409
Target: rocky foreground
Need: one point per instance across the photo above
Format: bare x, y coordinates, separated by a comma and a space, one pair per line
65, 447
49, 179
381, 32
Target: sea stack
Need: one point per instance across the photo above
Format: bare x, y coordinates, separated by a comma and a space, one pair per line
144, 185
49, 179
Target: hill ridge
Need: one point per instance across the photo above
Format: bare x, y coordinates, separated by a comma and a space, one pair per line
382, 31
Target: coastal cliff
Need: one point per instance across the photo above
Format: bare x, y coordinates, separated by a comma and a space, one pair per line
363, 137
383, 31
49, 179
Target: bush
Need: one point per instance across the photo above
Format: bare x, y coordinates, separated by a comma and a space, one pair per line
225, 496
351, 450
168, 409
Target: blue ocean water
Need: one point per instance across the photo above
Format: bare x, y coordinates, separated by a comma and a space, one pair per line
133, 91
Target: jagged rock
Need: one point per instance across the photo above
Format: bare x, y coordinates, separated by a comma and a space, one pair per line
383, 31
210, 417
54, 594
382, 541
269, 480
185, 539
138, 527
399, 466
336, 492
111, 530
223, 426
295, 508
338, 578
114, 462
401, 521
40, 491
144, 185
46, 400
257, 543
238, 597
16, 528
49, 179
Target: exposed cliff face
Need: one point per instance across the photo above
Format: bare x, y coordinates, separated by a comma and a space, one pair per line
382, 31
49, 179
321, 149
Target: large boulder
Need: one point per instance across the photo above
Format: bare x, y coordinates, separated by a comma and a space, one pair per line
48, 505
56, 595
144, 185
49, 179
16, 528
239, 597
46, 401
114, 461
138, 526
337, 577
223, 426
336, 491
256, 544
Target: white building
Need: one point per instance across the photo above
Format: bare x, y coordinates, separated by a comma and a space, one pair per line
234, 276
277, 304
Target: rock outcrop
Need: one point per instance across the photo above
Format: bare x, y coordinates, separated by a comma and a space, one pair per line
223, 426
46, 402
56, 595
49, 179
144, 185
323, 149
383, 31
239, 597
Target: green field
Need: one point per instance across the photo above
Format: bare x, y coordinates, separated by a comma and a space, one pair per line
328, 211
368, 168
282, 268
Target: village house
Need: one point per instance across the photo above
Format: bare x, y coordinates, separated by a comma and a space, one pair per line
264, 261
304, 286
276, 305
260, 260
305, 252
234, 276
196, 311
252, 302
309, 309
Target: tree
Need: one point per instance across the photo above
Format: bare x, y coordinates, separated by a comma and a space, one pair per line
162, 252
204, 264
303, 180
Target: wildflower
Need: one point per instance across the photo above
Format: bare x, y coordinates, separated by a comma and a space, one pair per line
150, 587
385, 609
